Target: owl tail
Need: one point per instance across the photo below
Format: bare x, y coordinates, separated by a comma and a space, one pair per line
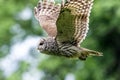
47, 8
86, 52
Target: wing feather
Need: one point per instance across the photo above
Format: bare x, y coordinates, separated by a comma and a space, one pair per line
47, 12
80, 10
65, 26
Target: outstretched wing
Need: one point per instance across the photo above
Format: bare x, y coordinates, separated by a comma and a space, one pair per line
47, 12
72, 24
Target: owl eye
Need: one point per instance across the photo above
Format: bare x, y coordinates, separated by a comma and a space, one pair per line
41, 43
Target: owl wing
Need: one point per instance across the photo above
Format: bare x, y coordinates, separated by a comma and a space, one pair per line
47, 12
72, 23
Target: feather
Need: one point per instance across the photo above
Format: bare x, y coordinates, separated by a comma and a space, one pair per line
72, 23
82, 9
47, 13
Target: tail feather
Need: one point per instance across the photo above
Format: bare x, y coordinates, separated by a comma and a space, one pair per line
86, 52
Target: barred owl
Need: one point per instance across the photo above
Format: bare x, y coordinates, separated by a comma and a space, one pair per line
66, 24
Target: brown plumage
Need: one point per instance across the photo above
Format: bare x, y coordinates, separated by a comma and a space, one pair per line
47, 13
66, 25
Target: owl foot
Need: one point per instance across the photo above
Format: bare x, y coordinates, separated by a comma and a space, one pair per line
83, 57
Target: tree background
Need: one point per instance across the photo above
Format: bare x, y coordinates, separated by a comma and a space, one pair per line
20, 33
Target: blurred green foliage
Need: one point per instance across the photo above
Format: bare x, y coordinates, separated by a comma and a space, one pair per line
104, 36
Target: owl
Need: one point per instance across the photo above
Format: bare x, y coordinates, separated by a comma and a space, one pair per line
66, 24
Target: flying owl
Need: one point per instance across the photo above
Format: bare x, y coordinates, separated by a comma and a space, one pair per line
66, 24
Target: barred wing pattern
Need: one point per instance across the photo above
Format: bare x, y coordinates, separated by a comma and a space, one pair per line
72, 24
47, 13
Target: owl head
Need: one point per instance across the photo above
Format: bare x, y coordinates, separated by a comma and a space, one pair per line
46, 44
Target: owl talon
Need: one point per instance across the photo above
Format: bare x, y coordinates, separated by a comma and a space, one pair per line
83, 56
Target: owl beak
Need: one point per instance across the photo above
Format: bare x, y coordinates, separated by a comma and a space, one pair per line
39, 48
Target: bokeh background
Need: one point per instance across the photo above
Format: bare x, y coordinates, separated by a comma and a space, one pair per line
20, 33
